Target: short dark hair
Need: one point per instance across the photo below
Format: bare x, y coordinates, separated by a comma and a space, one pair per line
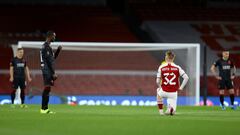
20, 49
50, 33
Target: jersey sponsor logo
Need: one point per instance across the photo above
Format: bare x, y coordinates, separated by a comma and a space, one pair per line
20, 65
227, 67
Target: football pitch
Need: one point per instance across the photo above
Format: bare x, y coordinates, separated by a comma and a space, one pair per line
117, 120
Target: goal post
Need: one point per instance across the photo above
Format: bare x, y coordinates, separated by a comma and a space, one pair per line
187, 56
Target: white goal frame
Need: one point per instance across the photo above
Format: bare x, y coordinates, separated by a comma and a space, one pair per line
106, 46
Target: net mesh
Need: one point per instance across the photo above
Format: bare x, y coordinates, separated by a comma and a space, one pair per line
95, 72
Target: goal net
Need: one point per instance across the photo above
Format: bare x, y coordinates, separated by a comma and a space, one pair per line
112, 70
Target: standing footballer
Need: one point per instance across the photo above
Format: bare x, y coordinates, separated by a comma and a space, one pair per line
225, 77
47, 58
18, 72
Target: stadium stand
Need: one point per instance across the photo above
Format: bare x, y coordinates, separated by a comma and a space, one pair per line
79, 23
187, 10
92, 85
88, 24
80, 60
5, 55
189, 22
100, 24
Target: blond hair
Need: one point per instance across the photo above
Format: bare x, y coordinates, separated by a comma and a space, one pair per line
170, 55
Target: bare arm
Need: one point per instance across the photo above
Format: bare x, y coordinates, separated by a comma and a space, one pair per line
213, 70
11, 74
27, 73
234, 72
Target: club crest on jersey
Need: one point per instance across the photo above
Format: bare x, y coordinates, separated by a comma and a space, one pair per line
229, 62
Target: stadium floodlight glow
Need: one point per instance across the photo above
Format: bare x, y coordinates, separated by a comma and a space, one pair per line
191, 51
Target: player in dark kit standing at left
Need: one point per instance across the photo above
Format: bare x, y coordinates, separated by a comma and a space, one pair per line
47, 58
18, 73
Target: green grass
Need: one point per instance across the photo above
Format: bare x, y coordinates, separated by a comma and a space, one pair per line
118, 120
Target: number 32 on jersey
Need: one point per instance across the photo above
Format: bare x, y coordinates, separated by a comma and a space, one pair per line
169, 79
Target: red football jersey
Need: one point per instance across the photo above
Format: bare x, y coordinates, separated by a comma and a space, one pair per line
170, 74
